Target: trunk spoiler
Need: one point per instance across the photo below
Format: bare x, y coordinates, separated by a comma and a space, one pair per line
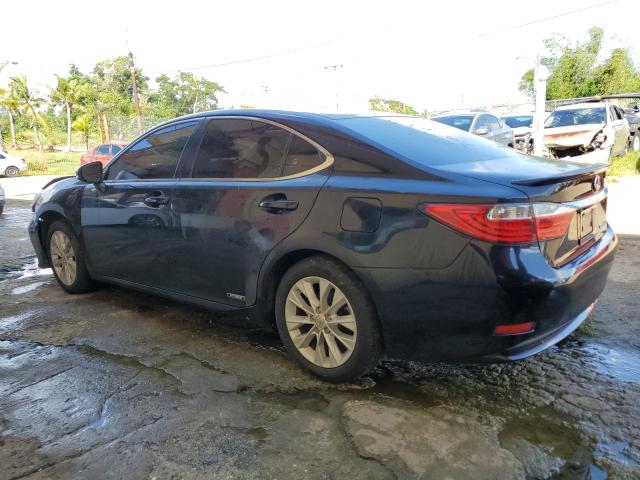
587, 170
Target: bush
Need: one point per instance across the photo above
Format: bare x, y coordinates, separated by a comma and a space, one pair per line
627, 165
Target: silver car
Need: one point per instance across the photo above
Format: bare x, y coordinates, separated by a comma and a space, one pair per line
483, 124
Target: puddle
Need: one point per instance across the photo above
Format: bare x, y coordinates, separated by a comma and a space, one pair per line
15, 217
619, 363
10, 323
27, 288
616, 449
28, 270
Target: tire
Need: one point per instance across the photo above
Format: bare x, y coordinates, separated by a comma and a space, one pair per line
12, 171
66, 258
635, 144
348, 343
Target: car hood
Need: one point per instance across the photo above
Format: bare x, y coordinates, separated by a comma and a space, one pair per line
520, 131
571, 136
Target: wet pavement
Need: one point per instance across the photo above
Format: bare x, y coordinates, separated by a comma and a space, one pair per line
118, 384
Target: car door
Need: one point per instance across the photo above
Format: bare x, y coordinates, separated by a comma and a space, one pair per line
497, 132
127, 220
251, 185
617, 124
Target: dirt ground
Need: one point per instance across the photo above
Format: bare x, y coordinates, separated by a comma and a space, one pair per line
118, 384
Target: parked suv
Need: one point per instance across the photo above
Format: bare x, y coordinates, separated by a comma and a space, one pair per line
483, 124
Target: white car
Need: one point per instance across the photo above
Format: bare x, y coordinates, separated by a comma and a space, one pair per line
11, 166
586, 132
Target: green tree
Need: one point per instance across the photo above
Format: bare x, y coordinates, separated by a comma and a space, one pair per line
82, 125
384, 105
575, 72
28, 102
68, 92
184, 94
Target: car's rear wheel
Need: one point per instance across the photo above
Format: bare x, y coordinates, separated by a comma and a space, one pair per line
12, 171
635, 144
65, 256
327, 321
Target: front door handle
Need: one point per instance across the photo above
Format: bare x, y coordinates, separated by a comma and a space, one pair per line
276, 206
156, 200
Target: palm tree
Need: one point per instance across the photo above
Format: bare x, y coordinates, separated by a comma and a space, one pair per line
68, 93
11, 104
83, 125
27, 103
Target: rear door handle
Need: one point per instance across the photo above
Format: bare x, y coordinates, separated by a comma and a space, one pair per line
156, 200
279, 205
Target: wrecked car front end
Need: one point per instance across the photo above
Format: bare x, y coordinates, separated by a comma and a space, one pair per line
583, 143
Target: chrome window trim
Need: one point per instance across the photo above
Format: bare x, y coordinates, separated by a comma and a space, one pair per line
329, 160
588, 201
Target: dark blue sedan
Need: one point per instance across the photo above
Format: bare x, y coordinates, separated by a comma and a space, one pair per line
355, 236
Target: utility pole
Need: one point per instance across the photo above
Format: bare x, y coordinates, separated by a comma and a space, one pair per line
540, 76
134, 85
335, 71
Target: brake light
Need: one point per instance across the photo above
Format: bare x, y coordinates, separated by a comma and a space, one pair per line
507, 223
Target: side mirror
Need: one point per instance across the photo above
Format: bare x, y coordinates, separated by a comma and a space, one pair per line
481, 131
90, 173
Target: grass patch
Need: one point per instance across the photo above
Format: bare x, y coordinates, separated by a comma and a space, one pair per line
627, 165
587, 327
49, 163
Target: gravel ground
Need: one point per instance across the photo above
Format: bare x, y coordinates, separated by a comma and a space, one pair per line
118, 384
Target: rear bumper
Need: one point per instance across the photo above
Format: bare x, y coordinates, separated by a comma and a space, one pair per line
451, 314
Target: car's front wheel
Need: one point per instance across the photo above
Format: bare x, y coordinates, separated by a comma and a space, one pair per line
12, 171
327, 321
66, 259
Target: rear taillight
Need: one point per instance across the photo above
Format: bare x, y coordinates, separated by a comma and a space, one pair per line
506, 223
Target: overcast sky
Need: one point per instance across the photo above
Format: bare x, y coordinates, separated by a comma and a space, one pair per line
432, 55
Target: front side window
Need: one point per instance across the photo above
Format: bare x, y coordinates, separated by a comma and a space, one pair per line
102, 150
115, 149
241, 148
153, 157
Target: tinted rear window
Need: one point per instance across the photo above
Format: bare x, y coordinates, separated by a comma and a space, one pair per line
423, 141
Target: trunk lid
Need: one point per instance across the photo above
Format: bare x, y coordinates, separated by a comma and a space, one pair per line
552, 181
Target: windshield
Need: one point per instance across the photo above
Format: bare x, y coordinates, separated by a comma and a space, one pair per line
463, 122
518, 121
579, 116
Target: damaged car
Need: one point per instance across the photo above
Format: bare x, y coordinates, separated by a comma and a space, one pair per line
522, 126
586, 132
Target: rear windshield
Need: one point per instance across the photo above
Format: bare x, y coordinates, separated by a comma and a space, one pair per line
579, 116
423, 141
463, 122
519, 121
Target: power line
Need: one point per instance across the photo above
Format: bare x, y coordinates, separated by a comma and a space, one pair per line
546, 19
255, 59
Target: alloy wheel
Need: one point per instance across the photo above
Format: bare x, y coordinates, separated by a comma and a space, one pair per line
321, 322
636, 142
11, 171
63, 258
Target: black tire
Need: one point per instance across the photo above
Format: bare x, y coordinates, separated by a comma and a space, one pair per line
82, 282
368, 345
12, 171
